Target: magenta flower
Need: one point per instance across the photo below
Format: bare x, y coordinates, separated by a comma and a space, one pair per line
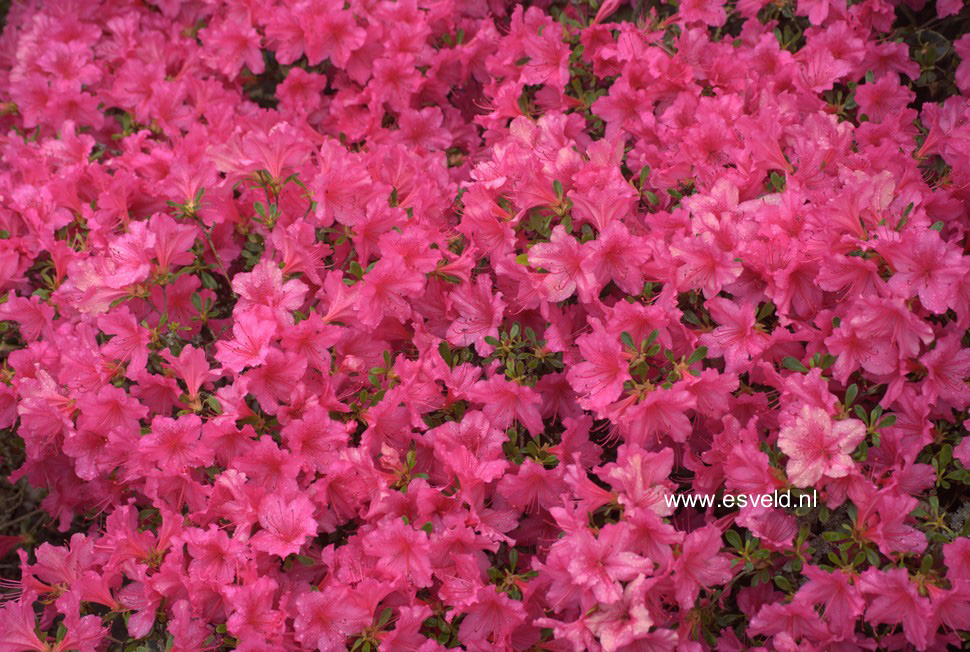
287, 521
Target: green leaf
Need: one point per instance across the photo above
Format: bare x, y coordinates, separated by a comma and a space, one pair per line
782, 583
777, 181
926, 565
946, 455
905, 218
385, 616
937, 226
850, 395
734, 539
861, 413
872, 556
887, 421
644, 173
765, 311
627, 340
793, 364
697, 355
557, 188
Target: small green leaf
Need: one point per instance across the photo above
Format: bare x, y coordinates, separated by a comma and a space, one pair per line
905, 218
937, 226
734, 539
887, 421
872, 556
850, 395
946, 455
385, 616
765, 311
793, 364
926, 565
644, 173
627, 340
697, 355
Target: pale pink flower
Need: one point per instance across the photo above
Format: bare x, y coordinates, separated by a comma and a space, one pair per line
816, 446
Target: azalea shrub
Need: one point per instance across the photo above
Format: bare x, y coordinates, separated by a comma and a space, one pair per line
396, 325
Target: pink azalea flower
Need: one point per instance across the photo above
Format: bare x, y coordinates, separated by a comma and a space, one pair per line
402, 552
816, 446
287, 521
479, 314
928, 267
252, 333
565, 260
604, 368
895, 600
504, 401
626, 620
192, 367
601, 563
327, 618
490, 619
173, 444
842, 600
253, 617
700, 565
738, 337
264, 286
795, 620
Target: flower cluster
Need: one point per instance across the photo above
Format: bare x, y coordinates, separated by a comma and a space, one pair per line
393, 324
